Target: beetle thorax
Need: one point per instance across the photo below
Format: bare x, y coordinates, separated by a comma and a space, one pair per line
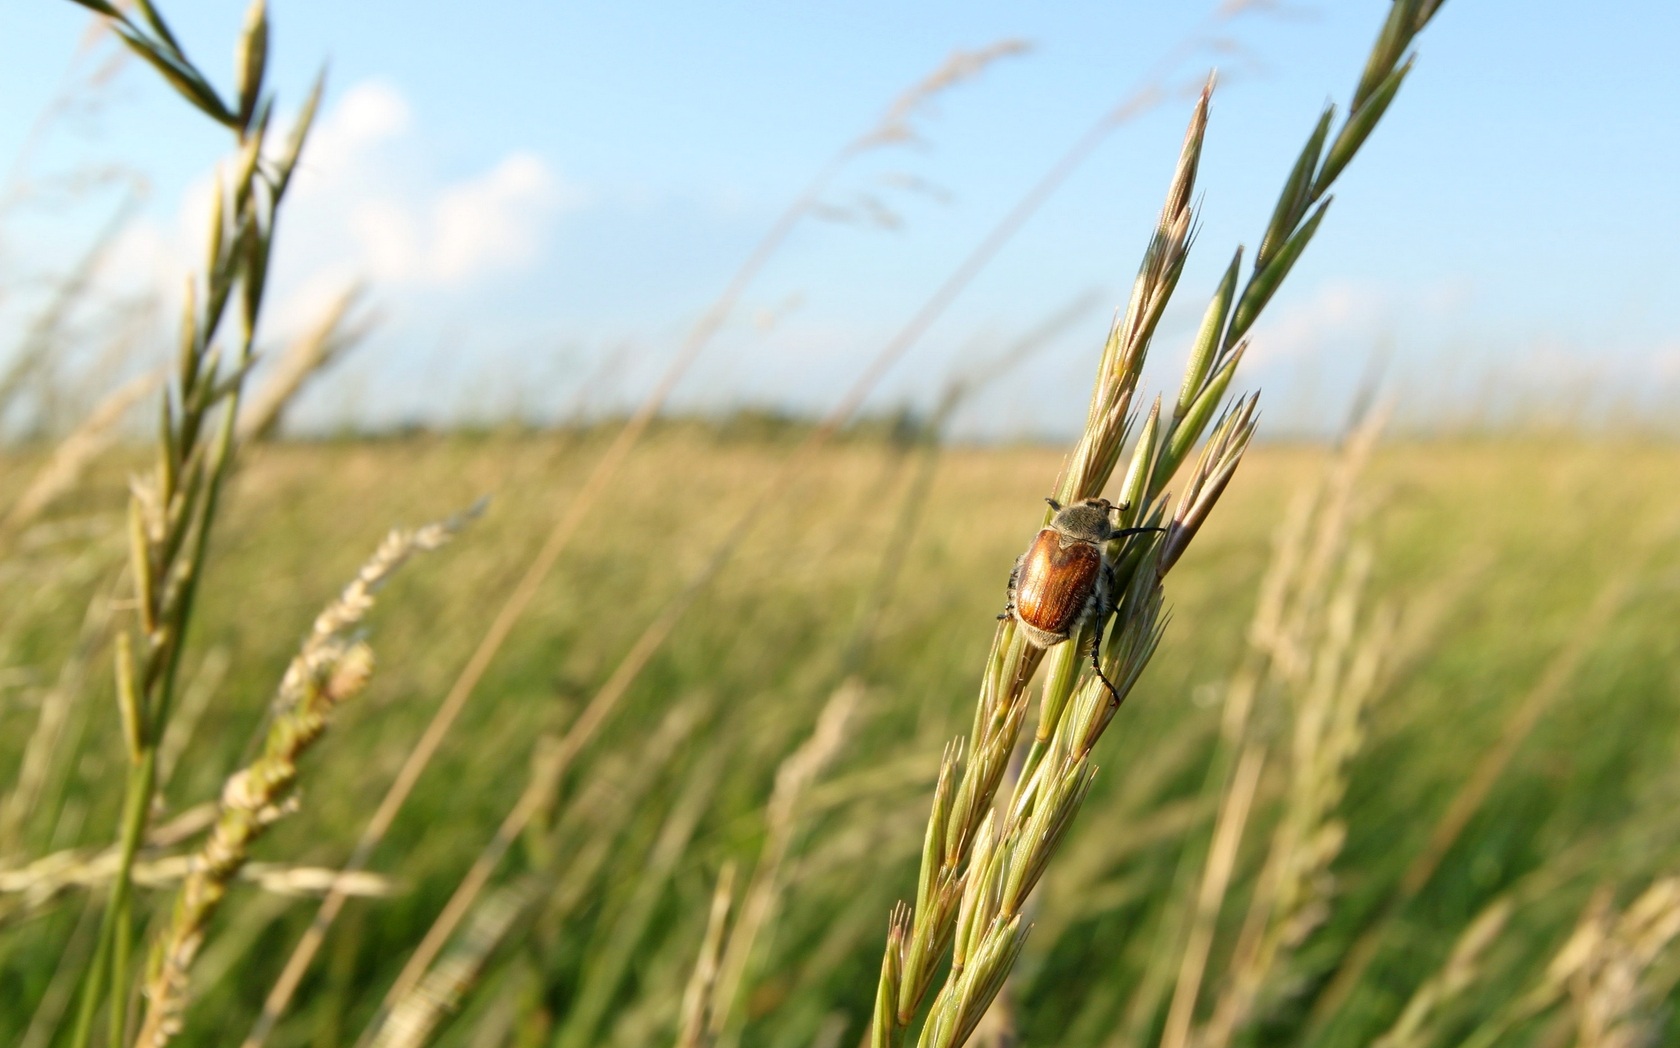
1085, 522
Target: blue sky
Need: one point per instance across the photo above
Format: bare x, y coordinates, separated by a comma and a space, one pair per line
544, 196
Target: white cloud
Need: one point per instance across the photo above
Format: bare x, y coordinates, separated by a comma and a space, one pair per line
366, 207
1665, 362
370, 112
1342, 313
493, 223
363, 188
1336, 310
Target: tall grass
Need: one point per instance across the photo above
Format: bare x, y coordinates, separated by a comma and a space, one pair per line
1576, 800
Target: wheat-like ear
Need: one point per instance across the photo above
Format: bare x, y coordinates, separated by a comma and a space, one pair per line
173, 510
981, 862
331, 668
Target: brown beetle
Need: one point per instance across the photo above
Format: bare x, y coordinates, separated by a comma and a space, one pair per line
1066, 578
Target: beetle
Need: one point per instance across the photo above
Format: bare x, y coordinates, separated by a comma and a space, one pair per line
1066, 577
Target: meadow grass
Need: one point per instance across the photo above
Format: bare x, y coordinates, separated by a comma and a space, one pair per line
1512, 541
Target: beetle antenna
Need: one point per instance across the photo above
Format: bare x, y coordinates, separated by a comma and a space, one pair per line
1135, 531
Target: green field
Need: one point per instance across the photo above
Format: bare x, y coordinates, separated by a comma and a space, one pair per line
1529, 587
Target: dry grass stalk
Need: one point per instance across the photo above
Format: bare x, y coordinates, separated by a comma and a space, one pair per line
413, 1021
781, 821
584, 835
694, 1022
318, 348
330, 669
1415, 1027
1295, 887
69, 460
1216, 880
619, 945
539, 789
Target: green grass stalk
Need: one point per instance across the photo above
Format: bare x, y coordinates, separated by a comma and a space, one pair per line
172, 514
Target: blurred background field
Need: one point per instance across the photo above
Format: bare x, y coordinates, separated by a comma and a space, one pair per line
1493, 551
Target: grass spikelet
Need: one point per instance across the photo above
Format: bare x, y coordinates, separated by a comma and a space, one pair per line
1295, 887
1302, 622
1606, 971
330, 669
1611, 992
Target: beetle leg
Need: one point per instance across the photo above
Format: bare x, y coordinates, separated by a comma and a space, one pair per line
1114, 696
1014, 577
1104, 598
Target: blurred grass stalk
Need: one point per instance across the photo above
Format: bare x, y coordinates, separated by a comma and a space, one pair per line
330, 669
1612, 596
1607, 971
333, 335
173, 511
980, 863
1314, 641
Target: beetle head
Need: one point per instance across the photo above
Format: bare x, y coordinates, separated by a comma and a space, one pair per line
1089, 521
